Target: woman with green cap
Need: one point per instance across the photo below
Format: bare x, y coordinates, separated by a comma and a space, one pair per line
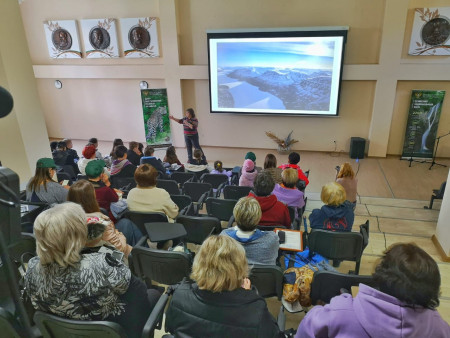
43, 186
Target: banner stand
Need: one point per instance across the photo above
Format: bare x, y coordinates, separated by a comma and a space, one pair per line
411, 159
433, 162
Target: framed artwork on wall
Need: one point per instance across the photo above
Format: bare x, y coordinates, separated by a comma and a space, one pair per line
140, 37
62, 39
430, 32
100, 38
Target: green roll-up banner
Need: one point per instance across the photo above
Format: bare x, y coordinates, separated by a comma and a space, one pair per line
156, 117
423, 120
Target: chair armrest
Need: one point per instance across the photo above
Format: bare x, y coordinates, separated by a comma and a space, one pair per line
281, 320
142, 241
230, 221
154, 321
220, 188
202, 200
202, 177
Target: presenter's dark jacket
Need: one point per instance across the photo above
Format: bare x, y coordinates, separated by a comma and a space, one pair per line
200, 313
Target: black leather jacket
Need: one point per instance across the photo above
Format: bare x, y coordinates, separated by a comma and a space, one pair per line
200, 313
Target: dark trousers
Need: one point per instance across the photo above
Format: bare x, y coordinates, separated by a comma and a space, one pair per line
129, 230
192, 140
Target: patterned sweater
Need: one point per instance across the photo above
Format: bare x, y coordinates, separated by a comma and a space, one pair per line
89, 291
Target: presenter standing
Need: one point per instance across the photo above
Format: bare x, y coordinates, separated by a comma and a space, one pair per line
190, 124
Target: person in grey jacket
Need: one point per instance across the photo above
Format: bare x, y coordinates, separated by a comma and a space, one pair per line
261, 247
42, 187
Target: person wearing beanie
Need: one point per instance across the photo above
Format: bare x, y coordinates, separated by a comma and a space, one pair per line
43, 186
250, 156
104, 194
248, 173
88, 156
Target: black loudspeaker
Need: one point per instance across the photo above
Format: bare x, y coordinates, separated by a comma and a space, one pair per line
357, 147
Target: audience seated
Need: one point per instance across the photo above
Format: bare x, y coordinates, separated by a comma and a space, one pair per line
337, 213
218, 169
346, 178
221, 303
198, 164
116, 142
273, 211
294, 159
287, 191
172, 158
404, 306
147, 197
62, 157
53, 146
69, 281
70, 149
88, 156
42, 185
123, 235
121, 167
134, 154
270, 165
261, 247
156, 163
94, 142
248, 174
104, 194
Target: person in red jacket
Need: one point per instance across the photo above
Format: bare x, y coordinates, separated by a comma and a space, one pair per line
294, 159
104, 193
273, 211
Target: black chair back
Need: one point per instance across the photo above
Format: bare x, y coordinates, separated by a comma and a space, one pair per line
182, 201
268, 279
67, 168
220, 208
270, 227
214, 179
123, 183
164, 267
235, 192
140, 218
62, 176
53, 326
199, 228
8, 325
181, 177
328, 284
337, 245
171, 186
196, 190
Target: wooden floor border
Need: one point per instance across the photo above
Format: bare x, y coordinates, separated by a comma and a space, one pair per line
441, 251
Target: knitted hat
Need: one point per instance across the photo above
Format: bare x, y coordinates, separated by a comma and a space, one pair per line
45, 163
250, 156
94, 168
249, 165
88, 151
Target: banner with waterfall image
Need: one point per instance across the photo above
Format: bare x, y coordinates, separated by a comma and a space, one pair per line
156, 117
423, 120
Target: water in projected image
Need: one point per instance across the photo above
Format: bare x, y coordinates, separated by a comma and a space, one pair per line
273, 75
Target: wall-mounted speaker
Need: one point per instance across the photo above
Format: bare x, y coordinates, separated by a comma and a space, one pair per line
357, 147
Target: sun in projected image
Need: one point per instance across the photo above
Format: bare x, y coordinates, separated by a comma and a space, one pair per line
287, 74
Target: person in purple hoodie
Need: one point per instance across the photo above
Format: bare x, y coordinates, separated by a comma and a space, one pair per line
287, 191
337, 213
404, 306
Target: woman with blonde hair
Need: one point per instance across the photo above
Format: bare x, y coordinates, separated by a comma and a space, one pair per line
287, 191
346, 178
337, 213
221, 303
69, 282
261, 247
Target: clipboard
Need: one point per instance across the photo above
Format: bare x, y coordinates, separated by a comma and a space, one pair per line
293, 240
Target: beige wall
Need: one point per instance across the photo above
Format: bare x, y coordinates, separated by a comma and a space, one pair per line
106, 91
23, 136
